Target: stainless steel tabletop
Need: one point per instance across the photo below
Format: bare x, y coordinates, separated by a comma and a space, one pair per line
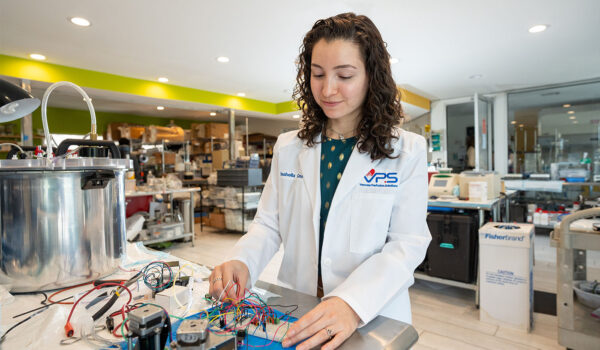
381, 333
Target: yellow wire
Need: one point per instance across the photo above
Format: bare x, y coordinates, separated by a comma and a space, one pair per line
175, 280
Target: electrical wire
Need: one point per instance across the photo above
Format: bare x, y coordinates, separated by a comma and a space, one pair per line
12, 144
20, 323
229, 316
153, 275
68, 327
41, 307
175, 281
64, 290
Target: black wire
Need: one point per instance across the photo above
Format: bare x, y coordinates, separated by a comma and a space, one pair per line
289, 312
42, 307
45, 298
21, 322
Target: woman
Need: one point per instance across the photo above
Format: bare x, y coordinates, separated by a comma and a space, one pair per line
347, 194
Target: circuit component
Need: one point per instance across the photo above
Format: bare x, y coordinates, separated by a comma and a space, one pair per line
194, 335
151, 326
274, 330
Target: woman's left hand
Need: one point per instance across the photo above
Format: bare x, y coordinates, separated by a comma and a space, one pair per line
332, 321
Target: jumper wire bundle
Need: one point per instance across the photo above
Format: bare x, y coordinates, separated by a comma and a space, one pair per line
251, 315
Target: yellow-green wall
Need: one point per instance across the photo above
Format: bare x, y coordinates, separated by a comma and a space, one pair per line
72, 121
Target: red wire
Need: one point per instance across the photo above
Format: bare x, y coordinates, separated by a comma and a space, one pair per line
68, 323
64, 290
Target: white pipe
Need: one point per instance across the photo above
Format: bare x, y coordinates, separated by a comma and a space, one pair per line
86, 98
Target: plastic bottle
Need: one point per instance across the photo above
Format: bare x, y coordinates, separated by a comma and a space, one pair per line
537, 216
544, 218
585, 160
597, 165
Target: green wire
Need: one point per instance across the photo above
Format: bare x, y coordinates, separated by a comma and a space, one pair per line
122, 326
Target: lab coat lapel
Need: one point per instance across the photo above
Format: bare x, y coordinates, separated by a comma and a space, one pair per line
310, 168
358, 166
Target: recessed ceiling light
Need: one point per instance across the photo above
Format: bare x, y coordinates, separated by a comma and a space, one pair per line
476, 76
163, 79
241, 94
296, 116
80, 21
223, 59
37, 56
513, 122
212, 114
572, 117
566, 105
575, 122
160, 108
394, 60
571, 112
538, 28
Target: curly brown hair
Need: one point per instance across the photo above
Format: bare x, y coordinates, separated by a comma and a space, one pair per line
381, 110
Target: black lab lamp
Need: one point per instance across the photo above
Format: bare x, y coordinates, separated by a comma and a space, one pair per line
15, 102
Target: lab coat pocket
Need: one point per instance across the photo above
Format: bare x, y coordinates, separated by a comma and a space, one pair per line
370, 220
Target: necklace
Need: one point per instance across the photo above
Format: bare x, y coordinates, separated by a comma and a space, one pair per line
342, 135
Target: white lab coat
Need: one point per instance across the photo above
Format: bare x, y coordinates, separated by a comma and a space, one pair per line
376, 232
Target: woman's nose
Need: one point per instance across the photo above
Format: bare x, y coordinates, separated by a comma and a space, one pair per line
329, 87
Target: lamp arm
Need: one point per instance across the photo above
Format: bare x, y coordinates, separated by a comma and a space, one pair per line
86, 98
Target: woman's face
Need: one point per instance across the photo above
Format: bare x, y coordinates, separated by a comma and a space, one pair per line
338, 78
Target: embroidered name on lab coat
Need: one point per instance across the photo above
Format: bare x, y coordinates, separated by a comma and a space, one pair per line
292, 175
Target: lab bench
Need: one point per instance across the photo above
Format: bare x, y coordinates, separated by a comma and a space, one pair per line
380, 333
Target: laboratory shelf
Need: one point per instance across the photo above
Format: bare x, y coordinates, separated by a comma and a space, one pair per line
167, 239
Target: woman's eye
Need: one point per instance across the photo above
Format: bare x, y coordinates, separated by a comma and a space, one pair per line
317, 75
346, 77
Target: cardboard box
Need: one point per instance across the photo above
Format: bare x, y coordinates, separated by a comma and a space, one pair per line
218, 158
217, 220
169, 157
113, 132
132, 132
217, 130
198, 130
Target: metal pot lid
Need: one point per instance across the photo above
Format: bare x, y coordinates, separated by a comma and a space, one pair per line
62, 164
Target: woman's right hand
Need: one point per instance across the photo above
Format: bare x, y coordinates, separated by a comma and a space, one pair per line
232, 275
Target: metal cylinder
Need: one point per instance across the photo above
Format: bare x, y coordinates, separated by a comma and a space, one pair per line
60, 228
231, 116
187, 214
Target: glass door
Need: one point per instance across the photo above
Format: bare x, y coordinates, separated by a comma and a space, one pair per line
483, 133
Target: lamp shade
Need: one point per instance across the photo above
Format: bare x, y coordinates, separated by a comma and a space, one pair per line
15, 102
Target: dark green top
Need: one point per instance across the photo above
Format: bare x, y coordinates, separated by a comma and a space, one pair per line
334, 157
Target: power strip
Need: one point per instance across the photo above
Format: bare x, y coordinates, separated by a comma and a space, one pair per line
166, 298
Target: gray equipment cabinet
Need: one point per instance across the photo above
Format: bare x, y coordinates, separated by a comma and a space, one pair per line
577, 329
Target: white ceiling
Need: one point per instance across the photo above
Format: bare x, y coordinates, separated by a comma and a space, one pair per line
440, 44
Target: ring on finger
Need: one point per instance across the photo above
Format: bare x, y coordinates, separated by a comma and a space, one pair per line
329, 332
217, 279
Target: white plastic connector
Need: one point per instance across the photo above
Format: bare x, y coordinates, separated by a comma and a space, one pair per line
166, 298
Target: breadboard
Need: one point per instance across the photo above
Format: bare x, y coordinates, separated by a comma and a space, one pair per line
281, 328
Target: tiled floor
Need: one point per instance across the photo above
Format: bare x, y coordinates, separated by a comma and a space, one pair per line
445, 317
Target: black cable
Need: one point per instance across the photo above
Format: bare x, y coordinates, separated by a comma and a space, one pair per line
105, 307
114, 297
21, 322
45, 298
42, 307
